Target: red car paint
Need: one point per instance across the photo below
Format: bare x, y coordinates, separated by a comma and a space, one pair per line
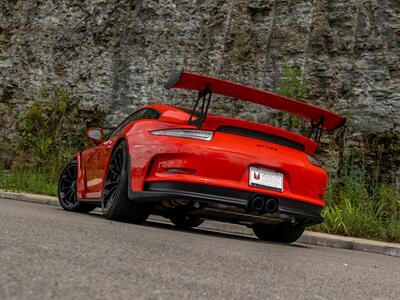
191, 81
224, 161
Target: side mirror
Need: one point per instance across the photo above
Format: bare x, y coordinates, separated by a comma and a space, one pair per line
95, 134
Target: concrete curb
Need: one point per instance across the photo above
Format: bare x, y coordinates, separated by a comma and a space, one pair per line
336, 241
34, 198
311, 238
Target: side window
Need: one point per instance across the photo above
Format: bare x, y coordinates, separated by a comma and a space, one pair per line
139, 115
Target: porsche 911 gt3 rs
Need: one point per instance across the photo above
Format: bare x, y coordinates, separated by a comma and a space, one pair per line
188, 166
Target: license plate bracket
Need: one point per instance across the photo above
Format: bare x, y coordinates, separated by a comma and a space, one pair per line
265, 178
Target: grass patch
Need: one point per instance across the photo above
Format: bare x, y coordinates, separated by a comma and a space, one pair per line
50, 133
360, 215
28, 181
357, 208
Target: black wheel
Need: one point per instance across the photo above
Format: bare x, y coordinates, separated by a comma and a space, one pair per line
186, 221
67, 190
114, 200
282, 233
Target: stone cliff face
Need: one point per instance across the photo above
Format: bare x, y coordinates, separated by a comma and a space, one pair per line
119, 53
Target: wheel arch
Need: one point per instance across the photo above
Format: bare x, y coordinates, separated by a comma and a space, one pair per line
132, 194
116, 144
122, 139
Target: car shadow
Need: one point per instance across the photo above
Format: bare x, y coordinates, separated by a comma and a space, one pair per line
216, 233
203, 231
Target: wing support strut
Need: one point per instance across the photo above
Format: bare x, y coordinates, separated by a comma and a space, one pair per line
317, 129
203, 99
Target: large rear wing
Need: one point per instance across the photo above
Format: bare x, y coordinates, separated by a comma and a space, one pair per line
320, 118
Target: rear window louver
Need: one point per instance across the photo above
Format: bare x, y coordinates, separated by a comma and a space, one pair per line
261, 136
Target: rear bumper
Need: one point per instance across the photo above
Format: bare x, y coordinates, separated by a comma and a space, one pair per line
157, 191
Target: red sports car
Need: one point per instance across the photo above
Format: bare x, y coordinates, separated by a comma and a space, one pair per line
189, 166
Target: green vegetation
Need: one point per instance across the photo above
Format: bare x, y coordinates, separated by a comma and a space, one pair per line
291, 85
362, 200
357, 207
28, 181
50, 134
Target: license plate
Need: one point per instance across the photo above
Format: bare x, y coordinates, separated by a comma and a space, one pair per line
266, 178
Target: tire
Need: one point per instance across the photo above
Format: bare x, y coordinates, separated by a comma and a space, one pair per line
186, 222
67, 190
114, 199
282, 233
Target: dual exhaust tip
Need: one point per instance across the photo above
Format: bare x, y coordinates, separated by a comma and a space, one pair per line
263, 204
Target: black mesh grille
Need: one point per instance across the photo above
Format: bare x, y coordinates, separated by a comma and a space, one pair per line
262, 136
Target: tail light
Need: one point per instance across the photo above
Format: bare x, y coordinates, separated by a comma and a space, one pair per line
203, 135
313, 160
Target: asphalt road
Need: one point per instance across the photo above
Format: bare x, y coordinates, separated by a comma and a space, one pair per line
47, 253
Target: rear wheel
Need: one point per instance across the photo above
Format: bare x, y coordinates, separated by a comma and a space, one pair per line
114, 200
186, 221
67, 190
283, 233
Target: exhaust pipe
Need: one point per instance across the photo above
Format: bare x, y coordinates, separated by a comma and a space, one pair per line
257, 204
271, 205
261, 204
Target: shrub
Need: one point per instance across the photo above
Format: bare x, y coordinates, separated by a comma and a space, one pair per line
291, 85
51, 132
362, 200
357, 208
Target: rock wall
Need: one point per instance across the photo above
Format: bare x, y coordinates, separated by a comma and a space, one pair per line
119, 53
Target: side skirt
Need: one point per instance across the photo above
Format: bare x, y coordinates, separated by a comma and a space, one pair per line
94, 201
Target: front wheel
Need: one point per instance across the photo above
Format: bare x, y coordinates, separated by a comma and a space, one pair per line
67, 190
114, 200
186, 222
282, 233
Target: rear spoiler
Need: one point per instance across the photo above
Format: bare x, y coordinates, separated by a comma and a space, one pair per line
321, 119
